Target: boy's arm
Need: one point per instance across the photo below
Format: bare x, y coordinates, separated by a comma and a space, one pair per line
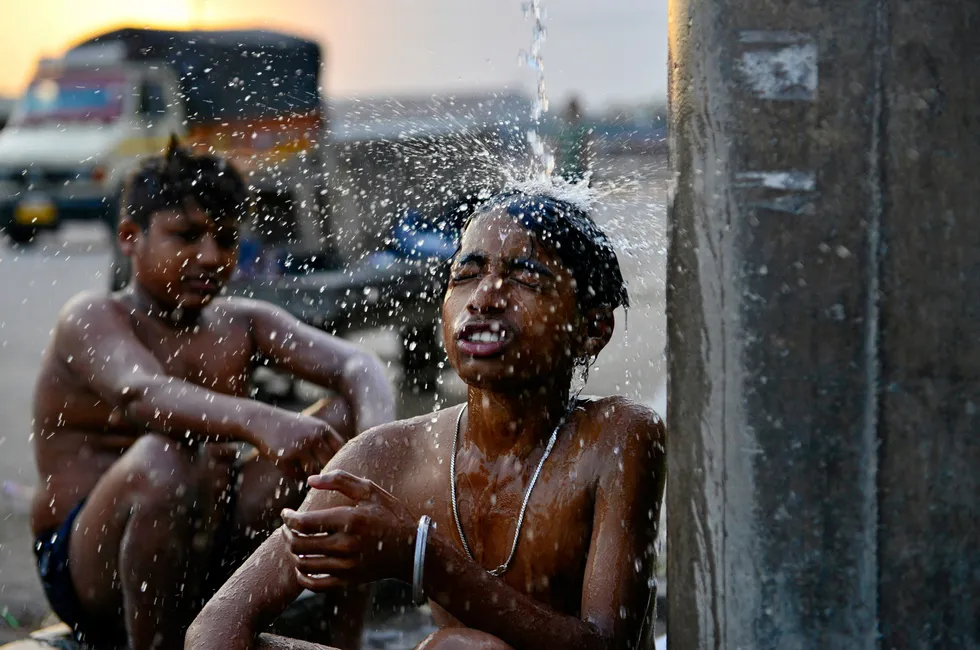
265, 585
615, 589
622, 558
258, 592
96, 341
325, 360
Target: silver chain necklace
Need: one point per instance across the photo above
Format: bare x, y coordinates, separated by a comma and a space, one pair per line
500, 570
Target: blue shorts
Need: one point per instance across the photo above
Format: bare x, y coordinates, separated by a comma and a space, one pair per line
51, 549
51, 552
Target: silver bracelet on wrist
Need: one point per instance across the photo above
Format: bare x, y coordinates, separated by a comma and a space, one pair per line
421, 539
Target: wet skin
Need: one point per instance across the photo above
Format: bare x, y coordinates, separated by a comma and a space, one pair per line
580, 576
140, 398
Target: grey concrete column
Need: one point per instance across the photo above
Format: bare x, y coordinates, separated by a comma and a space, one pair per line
824, 324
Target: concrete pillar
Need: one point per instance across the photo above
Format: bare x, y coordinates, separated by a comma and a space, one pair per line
824, 324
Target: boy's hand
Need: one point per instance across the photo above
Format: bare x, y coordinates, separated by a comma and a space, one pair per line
369, 541
298, 444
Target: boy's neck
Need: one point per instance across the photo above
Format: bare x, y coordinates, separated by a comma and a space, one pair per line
514, 423
176, 317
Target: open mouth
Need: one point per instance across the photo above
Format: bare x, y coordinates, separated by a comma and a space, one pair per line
484, 339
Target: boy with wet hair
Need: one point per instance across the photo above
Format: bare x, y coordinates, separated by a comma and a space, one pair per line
527, 516
147, 503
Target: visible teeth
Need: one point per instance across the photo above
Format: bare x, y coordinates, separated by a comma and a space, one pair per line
486, 337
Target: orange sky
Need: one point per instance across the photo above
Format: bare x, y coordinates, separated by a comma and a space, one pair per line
35, 28
601, 50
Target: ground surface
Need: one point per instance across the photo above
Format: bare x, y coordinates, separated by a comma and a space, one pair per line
35, 283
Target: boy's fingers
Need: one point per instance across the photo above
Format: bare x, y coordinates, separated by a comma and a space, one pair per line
352, 487
334, 544
317, 522
320, 544
335, 440
318, 564
319, 583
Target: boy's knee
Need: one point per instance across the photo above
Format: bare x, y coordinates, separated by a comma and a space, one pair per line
161, 471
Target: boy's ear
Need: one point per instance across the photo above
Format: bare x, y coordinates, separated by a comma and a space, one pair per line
599, 325
127, 236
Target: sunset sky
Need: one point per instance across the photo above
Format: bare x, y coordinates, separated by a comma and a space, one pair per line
605, 50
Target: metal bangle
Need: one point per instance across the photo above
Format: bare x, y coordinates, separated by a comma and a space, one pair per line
421, 539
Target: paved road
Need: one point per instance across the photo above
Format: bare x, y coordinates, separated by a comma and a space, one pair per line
34, 284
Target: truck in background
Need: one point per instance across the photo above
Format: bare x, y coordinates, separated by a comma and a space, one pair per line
88, 118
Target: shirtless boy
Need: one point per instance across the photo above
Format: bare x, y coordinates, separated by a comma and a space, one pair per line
146, 503
530, 301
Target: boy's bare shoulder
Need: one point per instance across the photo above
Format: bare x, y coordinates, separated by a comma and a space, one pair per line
86, 303
87, 310
620, 422
622, 411
382, 453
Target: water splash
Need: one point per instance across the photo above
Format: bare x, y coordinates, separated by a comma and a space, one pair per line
575, 193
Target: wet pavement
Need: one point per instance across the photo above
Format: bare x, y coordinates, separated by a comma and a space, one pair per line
36, 282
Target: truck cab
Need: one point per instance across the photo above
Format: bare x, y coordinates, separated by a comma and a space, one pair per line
80, 128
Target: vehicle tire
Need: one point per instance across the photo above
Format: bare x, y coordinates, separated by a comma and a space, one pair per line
21, 235
422, 357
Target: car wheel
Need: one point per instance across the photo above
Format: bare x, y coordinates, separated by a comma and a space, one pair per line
21, 235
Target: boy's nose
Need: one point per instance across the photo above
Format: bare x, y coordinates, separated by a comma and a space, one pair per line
489, 296
207, 252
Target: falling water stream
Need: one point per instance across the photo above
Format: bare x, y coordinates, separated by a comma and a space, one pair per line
542, 160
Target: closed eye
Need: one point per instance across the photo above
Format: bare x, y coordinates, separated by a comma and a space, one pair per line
189, 236
462, 275
527, 278
468, 267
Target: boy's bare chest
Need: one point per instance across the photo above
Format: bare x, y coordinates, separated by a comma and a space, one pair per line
554, 538
218, 359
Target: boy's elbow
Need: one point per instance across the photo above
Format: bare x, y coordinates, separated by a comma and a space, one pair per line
370, 390
135, 398
364, 372
361, 365
214, 629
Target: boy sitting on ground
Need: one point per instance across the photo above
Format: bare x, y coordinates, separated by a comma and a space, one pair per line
527, 516
147, 504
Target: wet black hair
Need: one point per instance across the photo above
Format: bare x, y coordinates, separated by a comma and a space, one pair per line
167, 181
571, 233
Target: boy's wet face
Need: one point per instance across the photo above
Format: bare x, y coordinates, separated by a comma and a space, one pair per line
185, 258
510, 316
